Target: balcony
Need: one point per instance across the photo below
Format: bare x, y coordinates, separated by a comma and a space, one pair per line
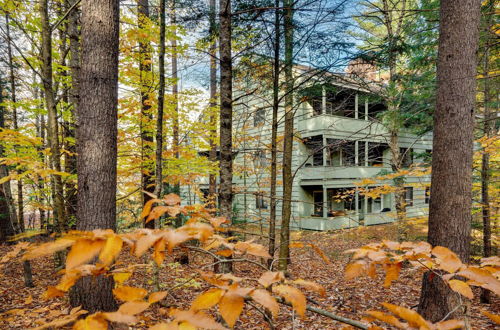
340, 126
339, 172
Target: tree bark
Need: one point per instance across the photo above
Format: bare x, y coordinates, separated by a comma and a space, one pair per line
274, 132
6, 223
226, 118
284, 254
12, 81
74, 97
146, 115
161, 102
451, 187
52, 127
97, 139
212, 190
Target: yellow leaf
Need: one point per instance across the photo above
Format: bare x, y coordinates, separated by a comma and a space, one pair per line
311, 286
269, 278
133, 307
413, 318
494, 317
84, 250
128, 293
293, 296
28, 300
207, 299
353, 270
157, 296
111, 249
387, 318
448, 261
392, 273
461, 287
48, 248
264, 298
120, 278
230, 307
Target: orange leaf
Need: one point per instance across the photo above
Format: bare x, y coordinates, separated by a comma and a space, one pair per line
311, 286
133, 307
172, 199
494, 317
145, 242
53, 292
231, 306
264, 298
207, 299
450, 325
198, 319
293, 296
413, 318
448, 261
147, 207
392, 273
353, 270
111, 249
461, 287
158, 211
225, 253
253, 249
128, 293
175, 237
269, 278
59, 323
48, 248
483, 277
28, 300
83, 251
157, 296
119, 317
387, 318
91, 322
159, 251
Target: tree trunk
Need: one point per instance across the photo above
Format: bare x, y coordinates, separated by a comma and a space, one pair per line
97, 139
146, 115
451, 185
161, 102
6, 215
74, 97
274, 132
212, 188
12, 81
284, 253
52, 127
226, 117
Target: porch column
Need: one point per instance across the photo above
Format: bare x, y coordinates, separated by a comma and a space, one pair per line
323, 100
356, 106
325, 154
325, 211
366, 109
365, 207
356, 153
366, 153
356, 201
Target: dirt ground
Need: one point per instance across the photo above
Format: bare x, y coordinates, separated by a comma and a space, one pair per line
24, 308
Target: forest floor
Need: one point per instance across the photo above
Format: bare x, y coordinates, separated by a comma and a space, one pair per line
24, 308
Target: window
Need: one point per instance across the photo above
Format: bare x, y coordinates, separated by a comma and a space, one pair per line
427, 195
317, 106
407, 157
259, 117
260, 201
409, 196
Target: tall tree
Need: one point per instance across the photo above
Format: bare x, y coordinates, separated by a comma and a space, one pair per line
226, 116
97, 139
161, 102
52, 125
12, 80
146, 115
213, 101
284, 254
6, 214
451, 197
